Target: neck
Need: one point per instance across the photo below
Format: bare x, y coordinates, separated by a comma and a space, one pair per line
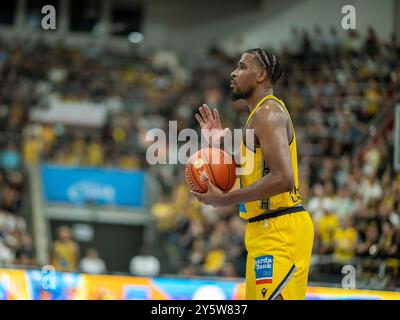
255, 98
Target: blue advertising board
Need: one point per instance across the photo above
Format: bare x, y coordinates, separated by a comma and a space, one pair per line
53, 285
99, 186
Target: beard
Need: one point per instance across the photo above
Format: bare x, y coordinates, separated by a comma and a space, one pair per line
240, 95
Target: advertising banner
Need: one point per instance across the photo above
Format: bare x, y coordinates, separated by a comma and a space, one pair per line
48, 285
99, 186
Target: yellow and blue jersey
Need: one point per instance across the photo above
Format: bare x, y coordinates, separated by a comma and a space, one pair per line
260, 169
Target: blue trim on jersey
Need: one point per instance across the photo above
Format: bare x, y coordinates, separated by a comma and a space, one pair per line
242, 207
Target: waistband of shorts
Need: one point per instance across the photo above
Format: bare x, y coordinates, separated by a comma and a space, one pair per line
276, 213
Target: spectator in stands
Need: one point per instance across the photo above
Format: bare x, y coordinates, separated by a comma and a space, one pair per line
372, 99
345, 204
197, 252
65, 251
144, 264
318, 42
361, 221
372, 45
92, 263
215, 259
6, 253
334, 42
316, 202
25, 252
370, 188
345, 240
327, 227
95, 156
163, 210
353, 43
387, 246
369, 247
31, 148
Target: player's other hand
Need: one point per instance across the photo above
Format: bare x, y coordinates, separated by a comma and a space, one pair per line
210, 125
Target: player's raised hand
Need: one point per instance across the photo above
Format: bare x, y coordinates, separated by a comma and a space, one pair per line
210, 124
207, 119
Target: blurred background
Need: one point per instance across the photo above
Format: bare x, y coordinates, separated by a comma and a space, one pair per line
77, 193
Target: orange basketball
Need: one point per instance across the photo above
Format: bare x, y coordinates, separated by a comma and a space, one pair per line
218, 165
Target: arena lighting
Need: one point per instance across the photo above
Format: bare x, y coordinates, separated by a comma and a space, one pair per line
135, 37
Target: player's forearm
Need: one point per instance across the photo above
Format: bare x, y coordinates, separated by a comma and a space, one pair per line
265, 187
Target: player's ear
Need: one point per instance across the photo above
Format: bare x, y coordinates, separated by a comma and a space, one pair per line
262, 76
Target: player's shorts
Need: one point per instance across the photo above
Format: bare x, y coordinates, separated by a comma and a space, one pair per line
279, 253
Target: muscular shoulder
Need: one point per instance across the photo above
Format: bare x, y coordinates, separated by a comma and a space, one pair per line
271, 113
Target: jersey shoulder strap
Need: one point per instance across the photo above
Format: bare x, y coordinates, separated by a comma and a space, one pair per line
249, 118
259, 104
256, 108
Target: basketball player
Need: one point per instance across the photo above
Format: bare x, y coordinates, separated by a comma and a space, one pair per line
279, 231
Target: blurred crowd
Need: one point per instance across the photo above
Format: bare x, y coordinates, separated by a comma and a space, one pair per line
335, 85
16, 246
